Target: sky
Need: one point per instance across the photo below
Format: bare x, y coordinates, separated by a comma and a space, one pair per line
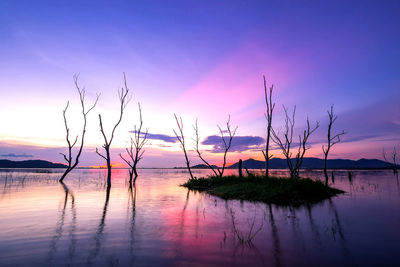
202, 60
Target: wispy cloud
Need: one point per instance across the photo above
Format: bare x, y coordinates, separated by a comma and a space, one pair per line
239, 143
162, 137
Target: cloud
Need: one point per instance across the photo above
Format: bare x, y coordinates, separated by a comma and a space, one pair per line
162, 137
12, 155
239, 143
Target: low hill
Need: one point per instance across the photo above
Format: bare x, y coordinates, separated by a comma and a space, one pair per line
316, 163
5, 163
202, 166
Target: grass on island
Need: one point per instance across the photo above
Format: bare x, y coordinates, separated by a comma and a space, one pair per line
281, 191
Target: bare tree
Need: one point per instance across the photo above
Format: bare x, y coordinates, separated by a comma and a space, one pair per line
268, 117
124, 100
181, 139
69, 158
197, 149
394, 158
136, 151
288, 135
286, 145
303, 146
332, 140
227, 145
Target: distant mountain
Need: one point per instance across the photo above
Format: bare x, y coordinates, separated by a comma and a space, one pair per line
316, 163
5, 163
202, 166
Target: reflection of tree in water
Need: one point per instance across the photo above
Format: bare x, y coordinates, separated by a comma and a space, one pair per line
275, 238
197, 222
181, 233
295, 225
132, 209
313, 225
337, 228
243, 239
72, 246
59, 228
397, 181
186, 201
100, 228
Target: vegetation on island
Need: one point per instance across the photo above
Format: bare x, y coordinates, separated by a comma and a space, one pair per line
280, 191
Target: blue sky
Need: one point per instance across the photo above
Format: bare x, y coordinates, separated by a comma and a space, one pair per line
199, 59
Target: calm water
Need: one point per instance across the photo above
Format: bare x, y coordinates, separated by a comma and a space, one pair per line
158, 222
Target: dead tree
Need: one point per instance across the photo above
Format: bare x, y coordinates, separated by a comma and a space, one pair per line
72, 163
303, 147
124, 100
394, 159
268, 117
288, 135
286, 145
136, 151
197, 149
332, 140
181, 139
227, 145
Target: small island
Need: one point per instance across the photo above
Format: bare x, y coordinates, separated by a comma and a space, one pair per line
280, 191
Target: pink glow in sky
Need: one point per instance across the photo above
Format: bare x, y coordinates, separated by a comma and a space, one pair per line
200, 60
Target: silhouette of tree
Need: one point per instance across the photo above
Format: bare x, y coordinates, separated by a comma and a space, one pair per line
124, 100
197, 149
135, 152
331, 141
226, 143
268, 117
394, 159
69, 158
181, 139
286, 145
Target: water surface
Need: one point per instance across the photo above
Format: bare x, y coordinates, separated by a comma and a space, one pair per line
45, 223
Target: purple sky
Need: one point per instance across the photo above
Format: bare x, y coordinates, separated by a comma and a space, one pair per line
199, 59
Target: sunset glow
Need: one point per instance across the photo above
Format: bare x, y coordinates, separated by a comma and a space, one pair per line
199, 133
197, 66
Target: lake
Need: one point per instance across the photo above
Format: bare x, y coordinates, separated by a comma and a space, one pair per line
158, 222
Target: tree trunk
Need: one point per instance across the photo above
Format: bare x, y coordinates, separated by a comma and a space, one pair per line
293, 174
135, 171
267, 149
65, 174
240, 168
108, 168
130, 177
325, 168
